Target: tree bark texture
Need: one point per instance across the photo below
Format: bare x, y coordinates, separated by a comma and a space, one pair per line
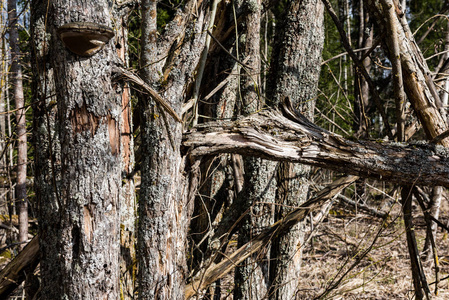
295, 69
16, 82
47, 148
268, 134
128, 204
259, 188
79, 211
163, 214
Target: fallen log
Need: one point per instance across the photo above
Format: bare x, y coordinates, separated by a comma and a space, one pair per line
15, 272
291, 137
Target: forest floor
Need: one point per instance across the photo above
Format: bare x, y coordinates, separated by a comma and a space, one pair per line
384, 273
334, 265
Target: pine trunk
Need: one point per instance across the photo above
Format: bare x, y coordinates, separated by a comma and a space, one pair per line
296, 68
79, 211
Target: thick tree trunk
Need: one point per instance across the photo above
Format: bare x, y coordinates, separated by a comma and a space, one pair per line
16, 81
79, 211
47, 148
163, 213
295, 71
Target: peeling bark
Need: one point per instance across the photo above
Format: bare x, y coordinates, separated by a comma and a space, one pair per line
270, 135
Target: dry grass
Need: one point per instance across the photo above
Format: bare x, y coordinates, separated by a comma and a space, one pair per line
384, 273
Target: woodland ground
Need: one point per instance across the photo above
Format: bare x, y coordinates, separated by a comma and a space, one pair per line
338, 241
384, 273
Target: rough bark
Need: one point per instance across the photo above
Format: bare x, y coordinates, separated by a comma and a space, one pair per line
163, 213
268, 134
16, 82
79, 234
259, 188
47, 148
295, 71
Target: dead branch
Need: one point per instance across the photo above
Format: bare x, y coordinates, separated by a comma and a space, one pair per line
269, 134
15, 272
217, 271
366, 208
135, 79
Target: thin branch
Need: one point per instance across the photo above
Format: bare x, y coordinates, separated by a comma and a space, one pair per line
359, 64
217, 271
133, 78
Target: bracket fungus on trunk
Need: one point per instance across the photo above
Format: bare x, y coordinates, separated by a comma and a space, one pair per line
85, 38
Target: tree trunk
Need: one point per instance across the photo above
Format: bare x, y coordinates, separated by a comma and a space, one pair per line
16, 81
295, 71
79, 212
47, 148
259, 189
361, 89
163, 211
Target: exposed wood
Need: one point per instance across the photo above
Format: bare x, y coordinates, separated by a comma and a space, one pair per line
419, 87
163, 212
79, 228
294, 74
270, 135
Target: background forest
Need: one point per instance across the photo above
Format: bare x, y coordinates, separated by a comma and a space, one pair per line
246, 149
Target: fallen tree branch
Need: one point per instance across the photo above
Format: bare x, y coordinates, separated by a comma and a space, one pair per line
217, 271
269, 134
366, 208
15, 272
130, 76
